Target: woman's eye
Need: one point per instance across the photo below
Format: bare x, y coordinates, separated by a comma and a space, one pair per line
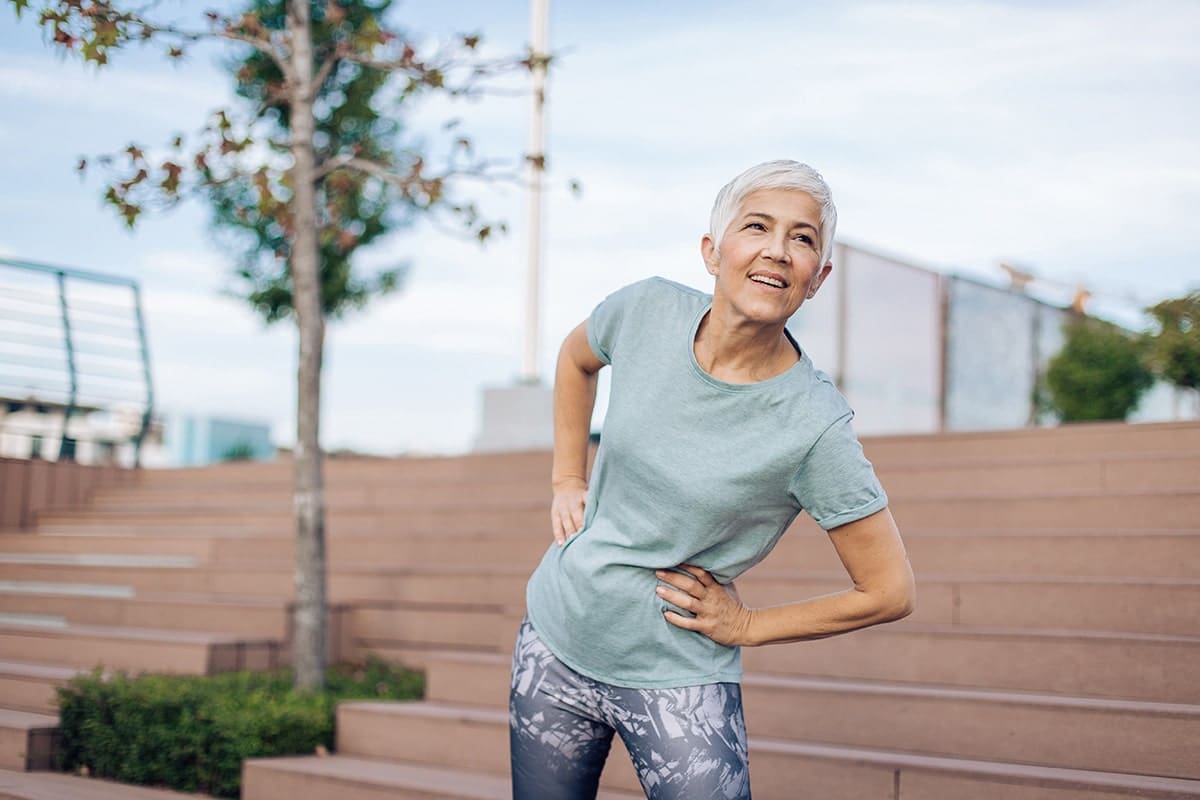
758, 226
803, 237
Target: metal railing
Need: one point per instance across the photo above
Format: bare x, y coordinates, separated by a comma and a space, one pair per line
72, 343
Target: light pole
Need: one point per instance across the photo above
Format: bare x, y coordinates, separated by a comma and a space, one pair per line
536, 158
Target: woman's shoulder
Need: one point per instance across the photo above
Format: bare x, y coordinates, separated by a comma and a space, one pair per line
657, 295
820, 400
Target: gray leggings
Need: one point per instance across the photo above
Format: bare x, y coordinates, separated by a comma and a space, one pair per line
686, 744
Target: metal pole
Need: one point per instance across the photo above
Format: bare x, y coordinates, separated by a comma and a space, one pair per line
539, 44
70, 348
145, 348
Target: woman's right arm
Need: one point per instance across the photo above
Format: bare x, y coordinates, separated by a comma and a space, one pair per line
574, 400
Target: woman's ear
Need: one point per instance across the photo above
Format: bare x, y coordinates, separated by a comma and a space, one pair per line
708, 250
819, 279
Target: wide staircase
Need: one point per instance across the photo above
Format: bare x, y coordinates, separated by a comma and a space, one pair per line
1054, 653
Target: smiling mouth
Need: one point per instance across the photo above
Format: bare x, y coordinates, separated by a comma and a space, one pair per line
768, 281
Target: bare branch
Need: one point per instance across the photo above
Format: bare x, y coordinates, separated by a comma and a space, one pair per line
261, 45
326, 68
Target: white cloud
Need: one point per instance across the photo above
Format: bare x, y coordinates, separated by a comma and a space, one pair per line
165, 95
1056, 135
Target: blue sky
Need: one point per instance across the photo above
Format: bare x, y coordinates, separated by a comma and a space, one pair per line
1057, 136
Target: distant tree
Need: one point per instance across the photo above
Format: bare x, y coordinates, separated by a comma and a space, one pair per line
298, 176
1099, 374
1174, 349
354, 209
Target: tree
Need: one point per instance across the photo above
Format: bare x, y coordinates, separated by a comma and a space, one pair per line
304, 186
1099, 373
355, 210
1174, 350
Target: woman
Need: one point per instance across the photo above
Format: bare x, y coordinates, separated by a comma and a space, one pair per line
719, 432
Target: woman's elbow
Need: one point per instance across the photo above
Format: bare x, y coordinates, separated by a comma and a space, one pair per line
904, 599
900, 599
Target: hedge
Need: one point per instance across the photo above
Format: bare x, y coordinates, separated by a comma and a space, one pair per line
192, 733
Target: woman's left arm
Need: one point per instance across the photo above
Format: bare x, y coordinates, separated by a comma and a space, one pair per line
874, 557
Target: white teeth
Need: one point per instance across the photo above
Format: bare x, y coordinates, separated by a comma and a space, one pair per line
768, 281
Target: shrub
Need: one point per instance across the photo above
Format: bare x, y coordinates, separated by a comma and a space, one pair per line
1098, 374
192, 733
1175, 347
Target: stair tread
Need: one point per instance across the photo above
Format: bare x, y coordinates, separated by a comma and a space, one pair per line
900, 689
26, 720
397, 774
1054, 776
58, 786
1009, 771
165, 635
39, 670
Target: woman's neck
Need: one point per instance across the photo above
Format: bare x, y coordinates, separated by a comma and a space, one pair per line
743, 352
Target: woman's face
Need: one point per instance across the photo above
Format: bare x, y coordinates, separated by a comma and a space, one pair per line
769, 259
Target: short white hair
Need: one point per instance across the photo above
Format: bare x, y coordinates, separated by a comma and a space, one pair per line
776, 175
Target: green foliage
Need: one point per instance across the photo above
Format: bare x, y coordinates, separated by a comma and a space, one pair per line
1099, 374
353, 209
239, 451
193, 733
368, 181
1174, 351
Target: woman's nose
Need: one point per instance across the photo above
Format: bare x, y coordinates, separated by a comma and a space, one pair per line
776, 250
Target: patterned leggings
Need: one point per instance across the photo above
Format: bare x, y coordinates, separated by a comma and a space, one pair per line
686, 744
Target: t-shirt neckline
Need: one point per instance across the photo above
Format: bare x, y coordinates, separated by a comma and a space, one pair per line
795, 369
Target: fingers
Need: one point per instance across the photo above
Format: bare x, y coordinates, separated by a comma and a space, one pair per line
677, 598
680, 621
699, 573
566, 520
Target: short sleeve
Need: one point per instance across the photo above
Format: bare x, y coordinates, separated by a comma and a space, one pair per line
605, 323
835, 483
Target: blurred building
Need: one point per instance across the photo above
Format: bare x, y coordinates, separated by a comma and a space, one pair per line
916, 350
193, 440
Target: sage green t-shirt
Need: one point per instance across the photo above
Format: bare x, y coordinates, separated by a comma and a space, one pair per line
690, 469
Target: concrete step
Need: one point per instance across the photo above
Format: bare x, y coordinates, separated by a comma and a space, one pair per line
1162, 554
275, 580
1146, 606
466, 467
1177, 510
1147, 667
136, 649
27, 740
416, 520
458, 737
1166, 554
1134, 605
259, 617
1098, 439
435, 625
1045, 729
1031, 475
381, 493
380, 488
198, 547
348, 778
58, 786
1144, 510
32, 687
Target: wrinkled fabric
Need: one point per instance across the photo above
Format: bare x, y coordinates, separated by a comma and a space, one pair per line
686, 743
690, 470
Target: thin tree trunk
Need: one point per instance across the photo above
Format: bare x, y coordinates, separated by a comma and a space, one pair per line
309, 642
